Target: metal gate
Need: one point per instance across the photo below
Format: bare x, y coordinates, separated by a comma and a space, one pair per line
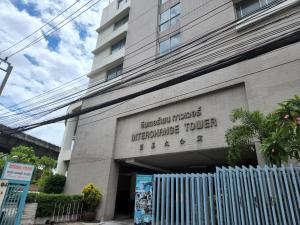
14, 187
231, 196
13, 202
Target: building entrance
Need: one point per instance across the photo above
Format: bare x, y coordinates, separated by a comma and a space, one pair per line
201, 161
124, 208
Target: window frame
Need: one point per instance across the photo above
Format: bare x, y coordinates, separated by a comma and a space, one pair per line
266, 3
115, 71
121, 22
170, 48
117, 46
170, 18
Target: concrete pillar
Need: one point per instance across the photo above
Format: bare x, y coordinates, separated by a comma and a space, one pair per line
106, 210
260, 158
66, 145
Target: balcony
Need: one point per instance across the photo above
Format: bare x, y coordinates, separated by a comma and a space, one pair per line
112, 14
109, 38
103, 63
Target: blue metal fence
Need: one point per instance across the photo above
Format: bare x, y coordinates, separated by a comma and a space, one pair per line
230, 196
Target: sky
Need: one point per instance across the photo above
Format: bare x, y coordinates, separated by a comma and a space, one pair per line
55, 60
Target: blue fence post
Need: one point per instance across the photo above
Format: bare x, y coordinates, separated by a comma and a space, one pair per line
158, 199
177, 199
172, 199
154, 199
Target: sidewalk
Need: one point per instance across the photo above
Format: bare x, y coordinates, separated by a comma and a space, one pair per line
123, 222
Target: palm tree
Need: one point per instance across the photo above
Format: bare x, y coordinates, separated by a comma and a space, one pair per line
278, 132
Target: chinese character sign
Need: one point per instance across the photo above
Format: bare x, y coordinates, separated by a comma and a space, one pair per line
143, 200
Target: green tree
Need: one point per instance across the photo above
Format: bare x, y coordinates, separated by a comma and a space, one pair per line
43, 165
278, 132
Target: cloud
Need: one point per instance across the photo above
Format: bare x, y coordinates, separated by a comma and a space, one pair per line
57, 59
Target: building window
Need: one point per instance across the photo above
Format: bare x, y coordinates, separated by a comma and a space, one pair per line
118, 46
114, 72
121, 22
169, 44
163, 1
246, 7
121, 2
170, 17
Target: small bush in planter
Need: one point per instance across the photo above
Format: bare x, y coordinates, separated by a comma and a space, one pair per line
91, 199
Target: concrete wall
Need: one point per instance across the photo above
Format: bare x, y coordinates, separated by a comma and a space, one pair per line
211, 124
143, 19
104, 135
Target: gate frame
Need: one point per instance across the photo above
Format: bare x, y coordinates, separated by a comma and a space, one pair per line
26, 185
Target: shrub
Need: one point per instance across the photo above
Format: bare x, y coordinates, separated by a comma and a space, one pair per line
91, 197
47, 202
41, 182
54, 184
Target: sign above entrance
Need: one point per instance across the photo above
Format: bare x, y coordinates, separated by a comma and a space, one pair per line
192, 124
18, 171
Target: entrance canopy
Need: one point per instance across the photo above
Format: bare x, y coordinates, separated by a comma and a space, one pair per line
192, 161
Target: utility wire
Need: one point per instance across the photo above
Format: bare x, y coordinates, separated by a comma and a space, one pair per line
283, 40
131, 52
193, 20
56, 28
198, 18
194, 10
131, 65
34, 32
259, 37
175, 97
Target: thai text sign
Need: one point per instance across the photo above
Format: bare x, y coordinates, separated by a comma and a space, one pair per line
17, 171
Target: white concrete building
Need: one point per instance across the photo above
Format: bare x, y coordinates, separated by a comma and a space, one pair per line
180, 128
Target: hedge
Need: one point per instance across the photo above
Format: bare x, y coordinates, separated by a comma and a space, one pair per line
47, 202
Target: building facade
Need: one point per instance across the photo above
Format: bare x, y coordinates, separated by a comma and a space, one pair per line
180, 128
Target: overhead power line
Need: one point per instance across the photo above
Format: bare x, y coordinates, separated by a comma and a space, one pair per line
131, 66
256, 38
57, 27
98, 83
156, 40
124, 68
282, 41
39, 29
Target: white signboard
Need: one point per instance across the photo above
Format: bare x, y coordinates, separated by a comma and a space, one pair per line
18, 171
